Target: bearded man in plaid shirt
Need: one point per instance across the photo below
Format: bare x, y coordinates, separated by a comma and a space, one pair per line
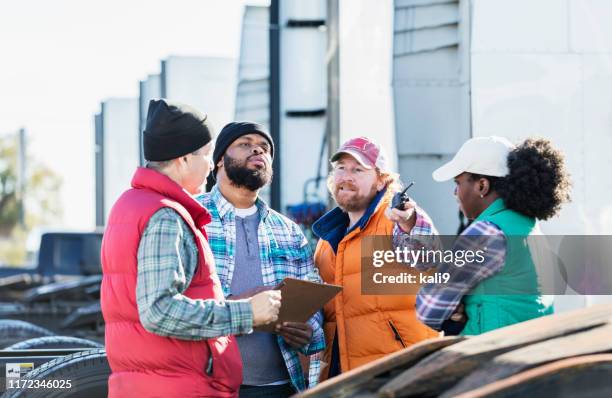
255, 248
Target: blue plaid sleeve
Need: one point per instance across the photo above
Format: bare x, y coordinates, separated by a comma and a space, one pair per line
435, 303
309, 272
424, 233
422, 226
167, 259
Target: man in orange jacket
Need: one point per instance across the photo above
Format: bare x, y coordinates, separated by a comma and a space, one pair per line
360, 328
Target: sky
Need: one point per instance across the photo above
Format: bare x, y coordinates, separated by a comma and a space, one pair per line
60, 59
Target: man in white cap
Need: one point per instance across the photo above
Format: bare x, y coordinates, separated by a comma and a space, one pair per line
502, 190
358, 328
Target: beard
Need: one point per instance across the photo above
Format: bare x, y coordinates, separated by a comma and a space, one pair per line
353, 202
241, 176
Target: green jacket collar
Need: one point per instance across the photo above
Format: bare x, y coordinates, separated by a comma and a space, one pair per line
497, 206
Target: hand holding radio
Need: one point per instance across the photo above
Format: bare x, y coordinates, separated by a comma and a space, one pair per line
401, 198
402, 211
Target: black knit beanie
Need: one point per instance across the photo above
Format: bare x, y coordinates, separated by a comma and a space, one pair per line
173, 130
232, 131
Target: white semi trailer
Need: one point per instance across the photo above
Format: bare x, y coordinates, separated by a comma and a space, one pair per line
515, 68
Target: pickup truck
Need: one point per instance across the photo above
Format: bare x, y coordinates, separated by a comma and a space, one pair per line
61, 256
62, 291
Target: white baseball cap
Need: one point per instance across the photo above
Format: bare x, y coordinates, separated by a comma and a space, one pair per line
482, 155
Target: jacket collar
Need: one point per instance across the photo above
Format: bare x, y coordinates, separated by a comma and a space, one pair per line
495, 207
224, 207
155, 181
332, 226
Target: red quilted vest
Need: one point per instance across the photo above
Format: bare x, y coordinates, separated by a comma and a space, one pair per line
144, 364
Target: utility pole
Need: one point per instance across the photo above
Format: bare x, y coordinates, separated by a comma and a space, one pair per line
275, 100
332, 127
21, 174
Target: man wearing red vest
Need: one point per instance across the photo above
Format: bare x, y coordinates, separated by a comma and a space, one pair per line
168, 327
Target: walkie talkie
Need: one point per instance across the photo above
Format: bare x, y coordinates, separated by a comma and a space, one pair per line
400, 198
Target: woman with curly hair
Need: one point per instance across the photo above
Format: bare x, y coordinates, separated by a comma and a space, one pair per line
503, 191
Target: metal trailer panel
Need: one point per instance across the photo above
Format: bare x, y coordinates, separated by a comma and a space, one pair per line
253, 89
303, 95
304, 10
427, 67
149, 89
207, 83
535, 85
366, 97
300, 146
435, 125
411, 18
252, 93
554, 82
253, 101
332, 120
431, 88
597, 97
522, 95
303, 68
99, 168
590, 32
253, 104
520, 26
274, 35
254, 61
121, 147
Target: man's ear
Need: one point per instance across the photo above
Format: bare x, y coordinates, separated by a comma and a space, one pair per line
220, 162
177, 162
484, 186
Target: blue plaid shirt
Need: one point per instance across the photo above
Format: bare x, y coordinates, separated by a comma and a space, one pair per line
284, 252
435, 303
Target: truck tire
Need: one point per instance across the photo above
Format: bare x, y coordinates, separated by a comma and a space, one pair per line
13, 331
87, 371
49, 342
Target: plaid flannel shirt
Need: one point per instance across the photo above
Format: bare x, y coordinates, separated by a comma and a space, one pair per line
284, 252
167, 260
435, 303
422, 226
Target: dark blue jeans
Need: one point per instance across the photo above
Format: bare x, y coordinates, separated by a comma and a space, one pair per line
282, 391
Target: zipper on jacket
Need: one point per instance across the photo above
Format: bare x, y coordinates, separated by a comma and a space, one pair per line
398, 337
209, 363
209, 366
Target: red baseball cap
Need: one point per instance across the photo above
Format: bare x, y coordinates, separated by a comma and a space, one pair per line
368, 153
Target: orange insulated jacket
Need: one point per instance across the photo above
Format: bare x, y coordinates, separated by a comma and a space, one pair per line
367, 327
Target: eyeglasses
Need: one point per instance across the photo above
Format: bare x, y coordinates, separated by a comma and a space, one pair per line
341, 169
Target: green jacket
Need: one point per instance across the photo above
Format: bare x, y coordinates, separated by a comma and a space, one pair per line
512, 295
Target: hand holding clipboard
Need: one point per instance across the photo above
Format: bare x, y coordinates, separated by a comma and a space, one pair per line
301, 299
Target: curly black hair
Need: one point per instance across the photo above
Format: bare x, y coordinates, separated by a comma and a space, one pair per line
537, 183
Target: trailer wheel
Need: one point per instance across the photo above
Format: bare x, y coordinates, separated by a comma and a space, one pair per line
49, 342
13, 331
87, 371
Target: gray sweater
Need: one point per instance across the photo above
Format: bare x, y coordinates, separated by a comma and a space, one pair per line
262, 359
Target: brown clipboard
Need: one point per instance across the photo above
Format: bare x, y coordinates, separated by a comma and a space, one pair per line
300, 300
